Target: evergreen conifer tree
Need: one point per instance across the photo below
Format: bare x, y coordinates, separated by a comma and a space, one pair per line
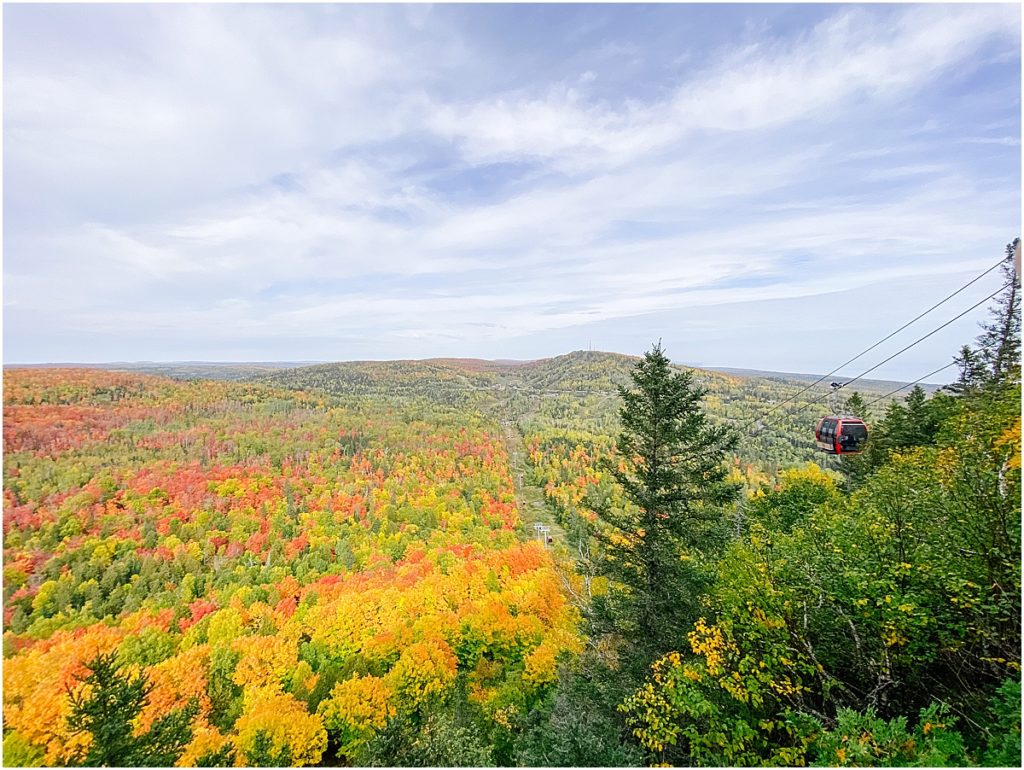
972, 372
920, 424
997, 358
107, 708
999, 342
855, 405
672, 471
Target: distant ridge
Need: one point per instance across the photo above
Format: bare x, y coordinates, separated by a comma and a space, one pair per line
244, 369
799, 377
140, 364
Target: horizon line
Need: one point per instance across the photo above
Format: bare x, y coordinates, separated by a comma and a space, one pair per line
316, 362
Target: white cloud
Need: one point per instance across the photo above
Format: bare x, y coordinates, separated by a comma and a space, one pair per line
273, 175
849, 57
224, 97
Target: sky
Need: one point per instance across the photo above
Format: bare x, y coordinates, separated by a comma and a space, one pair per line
759, 186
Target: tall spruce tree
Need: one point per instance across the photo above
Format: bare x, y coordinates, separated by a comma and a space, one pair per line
856, 406
673, 473
973, 374
1000, 339
106, 710
996, 360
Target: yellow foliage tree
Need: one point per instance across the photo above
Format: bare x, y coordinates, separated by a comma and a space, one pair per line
266, 663
35, 689
539, 665
425, 669
356, 709
286, 723
205, 740
175, 682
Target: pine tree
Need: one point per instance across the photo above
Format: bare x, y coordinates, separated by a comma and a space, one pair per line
912, 424
997, 357
106, 709
855, 405
672, 472
972, 372
113, 702
999, 342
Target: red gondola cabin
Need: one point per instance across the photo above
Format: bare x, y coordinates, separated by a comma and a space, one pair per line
841, 435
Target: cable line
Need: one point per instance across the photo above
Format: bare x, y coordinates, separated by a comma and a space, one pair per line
926, 336
897, 353
901, 387
868, 350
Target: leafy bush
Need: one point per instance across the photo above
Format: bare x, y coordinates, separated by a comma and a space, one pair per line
1003, 749
863, 739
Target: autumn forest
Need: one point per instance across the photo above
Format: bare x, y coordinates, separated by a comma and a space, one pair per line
511, 384
467, 563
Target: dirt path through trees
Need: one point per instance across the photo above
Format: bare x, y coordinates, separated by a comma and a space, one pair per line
529, 497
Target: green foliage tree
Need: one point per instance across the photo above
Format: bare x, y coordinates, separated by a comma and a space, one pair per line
1003, 745
18, 752
148, 648
262, 753
442, 738
674, 478
864, 739
447, 741
800, 492
225, 694
577, 724
106, 708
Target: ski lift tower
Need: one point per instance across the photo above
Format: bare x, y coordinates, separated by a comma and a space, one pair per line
542, 533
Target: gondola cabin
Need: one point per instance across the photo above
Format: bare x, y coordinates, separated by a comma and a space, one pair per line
841, 435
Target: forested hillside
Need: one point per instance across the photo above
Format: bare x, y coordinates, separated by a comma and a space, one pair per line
332, 474
866, 615
336, 564
297, 576
578, 393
